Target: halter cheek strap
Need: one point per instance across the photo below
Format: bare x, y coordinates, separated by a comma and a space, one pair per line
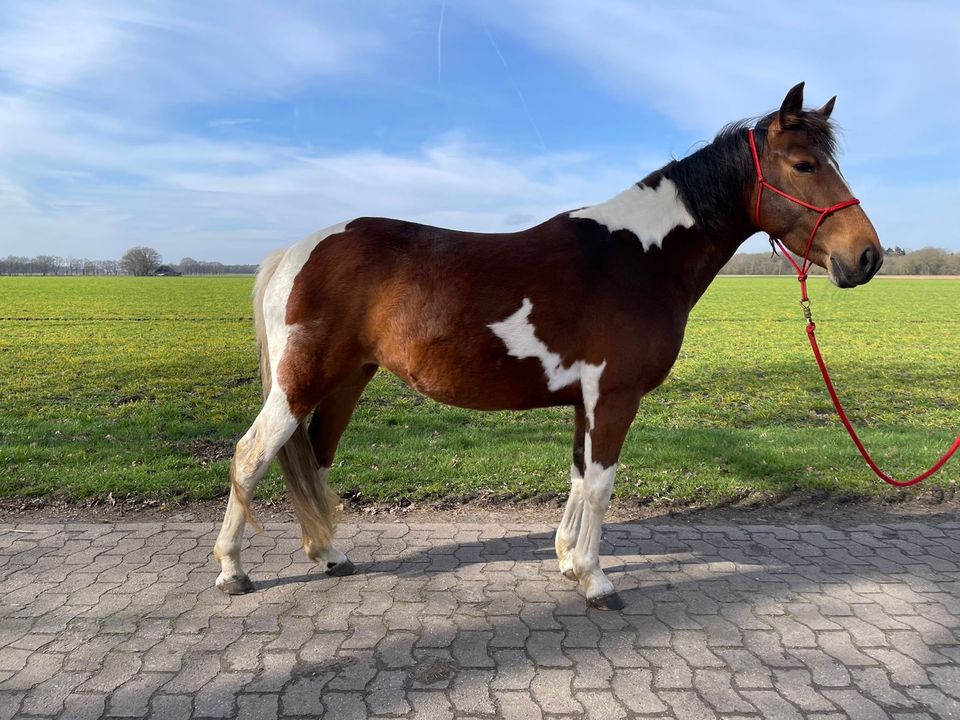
762, 185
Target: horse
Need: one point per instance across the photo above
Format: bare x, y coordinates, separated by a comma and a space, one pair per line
585, 310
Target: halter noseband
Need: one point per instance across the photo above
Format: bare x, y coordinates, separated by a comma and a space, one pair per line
824, 212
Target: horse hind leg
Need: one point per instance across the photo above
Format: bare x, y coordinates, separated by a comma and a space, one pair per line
306, 460
569, 528
272, 428
314, 502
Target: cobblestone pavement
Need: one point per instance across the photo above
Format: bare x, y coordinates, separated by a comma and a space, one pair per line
459, 620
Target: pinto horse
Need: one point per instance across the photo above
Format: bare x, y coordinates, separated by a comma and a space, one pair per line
587, 310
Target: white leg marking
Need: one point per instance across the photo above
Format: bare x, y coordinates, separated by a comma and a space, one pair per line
649, 213
569, 529
272, 428
590, 387
578, 537
597, 486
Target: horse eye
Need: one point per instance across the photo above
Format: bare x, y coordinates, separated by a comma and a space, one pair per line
803, 167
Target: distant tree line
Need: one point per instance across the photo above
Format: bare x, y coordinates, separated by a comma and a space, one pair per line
147, 261
189, 266
136, 261
896, 261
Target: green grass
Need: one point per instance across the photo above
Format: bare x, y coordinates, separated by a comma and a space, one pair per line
139, 386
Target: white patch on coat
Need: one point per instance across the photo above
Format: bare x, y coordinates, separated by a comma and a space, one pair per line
278, 292
520, 337
836, 168
649, 213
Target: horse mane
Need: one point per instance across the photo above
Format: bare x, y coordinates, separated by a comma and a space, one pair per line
712, 179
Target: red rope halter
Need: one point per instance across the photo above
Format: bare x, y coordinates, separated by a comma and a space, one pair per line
802, 270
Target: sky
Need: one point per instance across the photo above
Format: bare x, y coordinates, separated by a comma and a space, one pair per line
225, 130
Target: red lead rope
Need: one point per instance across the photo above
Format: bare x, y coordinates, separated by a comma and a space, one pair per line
853, 433
811, 326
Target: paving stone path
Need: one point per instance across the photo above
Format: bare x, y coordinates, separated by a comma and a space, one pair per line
474, 621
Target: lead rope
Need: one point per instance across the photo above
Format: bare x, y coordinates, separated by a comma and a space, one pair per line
802, 270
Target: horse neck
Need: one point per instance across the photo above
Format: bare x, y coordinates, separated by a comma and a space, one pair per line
715, 184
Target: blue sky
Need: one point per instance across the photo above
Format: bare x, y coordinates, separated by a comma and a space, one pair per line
223, 130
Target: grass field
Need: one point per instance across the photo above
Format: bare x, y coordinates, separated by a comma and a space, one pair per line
138, 387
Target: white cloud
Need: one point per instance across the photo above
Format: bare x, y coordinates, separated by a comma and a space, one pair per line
106, 188
167, 53
51, 45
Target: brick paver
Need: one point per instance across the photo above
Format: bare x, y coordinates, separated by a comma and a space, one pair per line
474, 621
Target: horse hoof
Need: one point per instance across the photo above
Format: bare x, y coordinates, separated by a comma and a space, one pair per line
611, 601
240, 585
569, 574
341, 569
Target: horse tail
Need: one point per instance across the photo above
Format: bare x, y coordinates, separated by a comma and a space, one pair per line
315, 503
267, 269
312, 498
264, 275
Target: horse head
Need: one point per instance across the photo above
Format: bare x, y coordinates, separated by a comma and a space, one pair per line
811, 208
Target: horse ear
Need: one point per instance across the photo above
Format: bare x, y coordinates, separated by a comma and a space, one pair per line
827, 109
792, 106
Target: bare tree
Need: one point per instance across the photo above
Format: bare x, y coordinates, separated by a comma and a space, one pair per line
140, 261
47, 264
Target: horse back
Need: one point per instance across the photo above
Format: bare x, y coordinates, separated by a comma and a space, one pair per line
423, 302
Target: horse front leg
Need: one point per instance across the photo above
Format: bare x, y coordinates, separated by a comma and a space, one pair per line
607, 428
569, 528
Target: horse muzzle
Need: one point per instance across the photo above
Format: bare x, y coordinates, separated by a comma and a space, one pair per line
848, 275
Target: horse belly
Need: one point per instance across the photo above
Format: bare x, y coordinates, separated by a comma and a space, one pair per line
476, 376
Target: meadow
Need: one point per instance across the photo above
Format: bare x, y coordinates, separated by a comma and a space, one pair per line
138, 387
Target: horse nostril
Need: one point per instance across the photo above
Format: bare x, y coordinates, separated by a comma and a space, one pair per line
870, 262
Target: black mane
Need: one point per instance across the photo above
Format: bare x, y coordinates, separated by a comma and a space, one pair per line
712, 180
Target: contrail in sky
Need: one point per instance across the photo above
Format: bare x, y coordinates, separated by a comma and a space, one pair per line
443, 7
